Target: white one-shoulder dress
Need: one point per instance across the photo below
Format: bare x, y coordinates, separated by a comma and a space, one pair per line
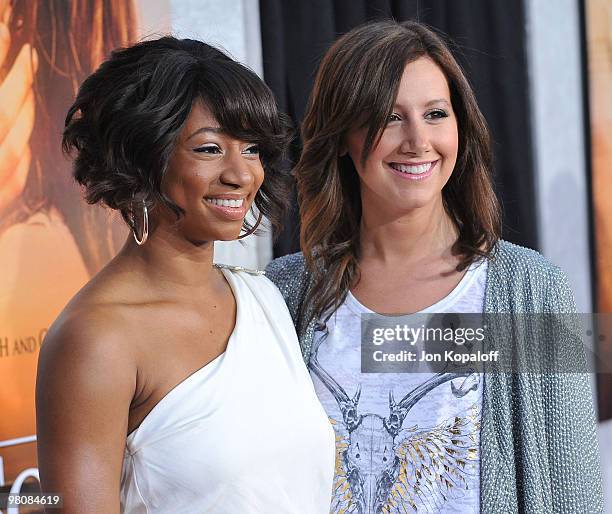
245, 434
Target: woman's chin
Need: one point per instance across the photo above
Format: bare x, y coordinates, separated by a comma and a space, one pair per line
413, 203
221, 232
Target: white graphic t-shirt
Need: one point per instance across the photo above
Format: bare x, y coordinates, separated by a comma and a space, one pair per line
425, 460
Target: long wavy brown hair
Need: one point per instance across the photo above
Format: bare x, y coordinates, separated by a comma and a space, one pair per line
71, 38
356, 85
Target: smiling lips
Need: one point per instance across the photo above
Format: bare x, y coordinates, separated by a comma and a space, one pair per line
225, 202
413, 171
231, 208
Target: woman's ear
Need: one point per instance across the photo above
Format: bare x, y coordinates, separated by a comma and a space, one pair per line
342, 150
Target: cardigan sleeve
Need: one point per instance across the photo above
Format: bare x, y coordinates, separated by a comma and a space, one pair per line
291, 276
573, 453
288, 274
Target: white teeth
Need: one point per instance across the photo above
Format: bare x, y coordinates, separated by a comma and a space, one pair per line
223, 202
417, 169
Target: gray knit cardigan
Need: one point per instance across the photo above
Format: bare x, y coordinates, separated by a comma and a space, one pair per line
538, 440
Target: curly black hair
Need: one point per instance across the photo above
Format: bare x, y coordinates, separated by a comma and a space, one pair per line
128, 114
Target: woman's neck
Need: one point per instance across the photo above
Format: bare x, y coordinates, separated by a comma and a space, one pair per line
421, 235
169, 262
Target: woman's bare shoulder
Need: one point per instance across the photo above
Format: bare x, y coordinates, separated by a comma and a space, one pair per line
86, 382
93, 331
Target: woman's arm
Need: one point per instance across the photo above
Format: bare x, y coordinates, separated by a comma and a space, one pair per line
86, 381
17, 107
289, 274
573, 451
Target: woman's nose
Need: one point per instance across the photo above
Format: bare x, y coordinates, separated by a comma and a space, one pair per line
415, 140
238, 171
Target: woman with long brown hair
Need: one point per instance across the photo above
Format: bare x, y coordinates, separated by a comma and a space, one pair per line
398, 215
51, 243
59, 44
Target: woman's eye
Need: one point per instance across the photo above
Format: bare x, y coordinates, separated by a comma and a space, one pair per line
436, 114
394, 117
212, 149
253, 150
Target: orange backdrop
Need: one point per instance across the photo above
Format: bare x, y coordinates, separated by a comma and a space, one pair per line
51, 242
599, 36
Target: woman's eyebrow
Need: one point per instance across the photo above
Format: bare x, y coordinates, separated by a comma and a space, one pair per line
215, 130
437, 101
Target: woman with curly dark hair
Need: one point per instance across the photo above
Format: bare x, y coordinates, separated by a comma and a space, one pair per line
196, 364
398, 215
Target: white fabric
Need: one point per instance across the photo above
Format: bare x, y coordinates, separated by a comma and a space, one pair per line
413, 461
244, 434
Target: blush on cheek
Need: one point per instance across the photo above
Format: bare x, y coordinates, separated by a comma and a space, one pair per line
258, 174
174, 192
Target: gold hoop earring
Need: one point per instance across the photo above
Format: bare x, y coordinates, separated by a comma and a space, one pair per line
253, 228
145, 226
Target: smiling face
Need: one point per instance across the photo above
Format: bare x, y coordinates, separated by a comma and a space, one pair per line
417, 152
213, 177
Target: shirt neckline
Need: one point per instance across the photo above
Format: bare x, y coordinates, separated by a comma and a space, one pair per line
203, 370
470, 276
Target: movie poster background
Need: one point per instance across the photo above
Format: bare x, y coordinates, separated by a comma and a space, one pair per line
599, 45
51, 241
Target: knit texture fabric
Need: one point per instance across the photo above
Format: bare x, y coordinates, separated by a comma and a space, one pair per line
538, 441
